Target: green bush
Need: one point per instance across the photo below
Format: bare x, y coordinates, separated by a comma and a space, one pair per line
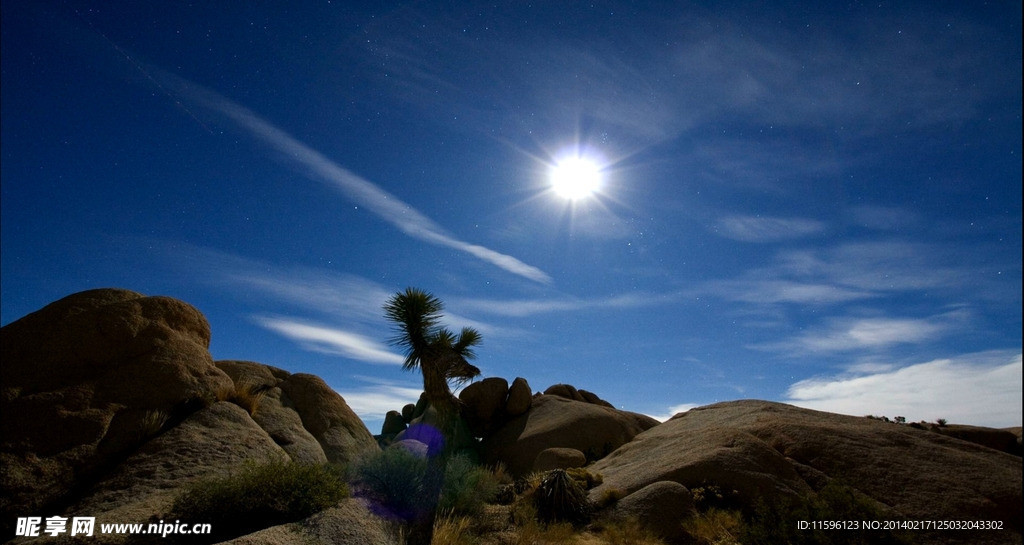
398, 484
260, 495
467, 487
403, 487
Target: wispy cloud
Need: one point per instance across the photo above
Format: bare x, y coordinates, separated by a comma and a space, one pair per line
330, 340
785, 291
873, 333
884, 218
529, 307
765, 228
318, 167
982, 389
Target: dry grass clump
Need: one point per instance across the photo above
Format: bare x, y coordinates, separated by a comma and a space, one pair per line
610, 496
152, 423
453, 530
715, 527
628, 532
248, 395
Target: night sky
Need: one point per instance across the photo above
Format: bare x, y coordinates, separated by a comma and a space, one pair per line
814, 203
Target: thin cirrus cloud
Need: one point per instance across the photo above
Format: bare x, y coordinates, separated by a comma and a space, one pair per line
316, 166
766, 229
320, 338
875, 333
943, 388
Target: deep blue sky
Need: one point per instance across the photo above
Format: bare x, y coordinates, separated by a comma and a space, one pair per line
815, 203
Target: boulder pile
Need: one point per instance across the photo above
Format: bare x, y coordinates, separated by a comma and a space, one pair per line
110, 403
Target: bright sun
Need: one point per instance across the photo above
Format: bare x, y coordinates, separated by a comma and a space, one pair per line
575, 178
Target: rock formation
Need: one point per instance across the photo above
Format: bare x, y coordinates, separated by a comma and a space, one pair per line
770, 450
555, 421
110, 403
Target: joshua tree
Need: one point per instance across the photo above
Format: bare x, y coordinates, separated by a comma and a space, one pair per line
439, 354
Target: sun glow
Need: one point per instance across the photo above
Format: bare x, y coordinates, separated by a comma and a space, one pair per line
575, 178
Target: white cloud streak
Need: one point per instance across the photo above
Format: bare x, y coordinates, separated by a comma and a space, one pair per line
329, 340
529, 307
317, 166
981, 389
874, 333
766, 229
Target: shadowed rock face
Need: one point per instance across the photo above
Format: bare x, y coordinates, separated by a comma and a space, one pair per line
770, 450
557, 422
110, 403
81, 376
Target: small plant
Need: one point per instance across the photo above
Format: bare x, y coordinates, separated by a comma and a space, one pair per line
586, 479
610, 496
715, 527
560, 498
628, 532
941, 422
260, 495
152, 423
452, 530
248, 395
711, 496
528, 531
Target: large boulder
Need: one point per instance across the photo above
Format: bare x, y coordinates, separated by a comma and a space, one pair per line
558, 458
82, 377
351, 523
660, 507
327, 417
771, 450
520, 397
482, 403
555, 421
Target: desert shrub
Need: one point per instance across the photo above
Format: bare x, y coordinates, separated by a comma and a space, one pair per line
529, 531
453, 530
628, 532
398, 484
610, 496
586, 478
941, 422
711, 496
715, 527
258, 496
776, 522
467, 487
560, 498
